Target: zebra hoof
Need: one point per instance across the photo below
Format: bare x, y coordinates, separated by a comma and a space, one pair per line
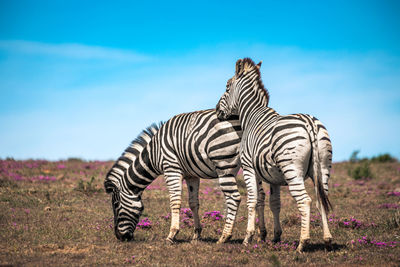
302, 245
224, 239
170, 241
277, 236
197, 234
247, 240
276, 240
262, 236
299, 250
328, 243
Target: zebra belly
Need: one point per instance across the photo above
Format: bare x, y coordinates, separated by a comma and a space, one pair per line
273, 175
207, 171
267, 170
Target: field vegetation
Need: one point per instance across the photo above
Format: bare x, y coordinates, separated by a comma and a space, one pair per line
57, 213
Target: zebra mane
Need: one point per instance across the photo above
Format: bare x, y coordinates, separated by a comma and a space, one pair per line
141, 141
133, 151
250, 62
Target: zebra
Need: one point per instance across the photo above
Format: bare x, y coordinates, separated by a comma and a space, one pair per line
280, 150
188, 146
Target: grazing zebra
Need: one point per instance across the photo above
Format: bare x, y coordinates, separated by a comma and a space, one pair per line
280, 150
188, 146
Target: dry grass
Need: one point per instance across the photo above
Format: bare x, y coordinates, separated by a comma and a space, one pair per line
52, 214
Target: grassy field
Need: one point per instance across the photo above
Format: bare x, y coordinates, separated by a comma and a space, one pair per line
57, 213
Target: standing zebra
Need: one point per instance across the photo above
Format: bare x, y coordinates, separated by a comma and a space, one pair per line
280, 150
189, 146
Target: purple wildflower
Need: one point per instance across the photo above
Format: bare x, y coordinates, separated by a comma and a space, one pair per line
166, 217
365, 240
394, 193
213, 215
352, 223
144, 224
61, 166
187, 212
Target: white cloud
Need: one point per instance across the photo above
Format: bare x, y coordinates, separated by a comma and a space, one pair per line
71, 50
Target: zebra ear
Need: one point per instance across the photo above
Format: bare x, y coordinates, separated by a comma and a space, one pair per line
259, 65
109, 186
239, 67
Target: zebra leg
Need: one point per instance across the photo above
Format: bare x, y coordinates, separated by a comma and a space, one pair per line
252, 195
232, 199
260, 207
174, 184
193, 184
303, 200
275, 206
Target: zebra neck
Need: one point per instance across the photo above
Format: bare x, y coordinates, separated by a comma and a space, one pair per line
142, 172
251, 100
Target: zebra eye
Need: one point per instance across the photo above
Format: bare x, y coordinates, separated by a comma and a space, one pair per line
115, 198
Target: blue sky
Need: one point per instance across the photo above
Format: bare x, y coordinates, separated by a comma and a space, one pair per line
83, 78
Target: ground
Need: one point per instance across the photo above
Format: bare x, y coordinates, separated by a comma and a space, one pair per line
57, 213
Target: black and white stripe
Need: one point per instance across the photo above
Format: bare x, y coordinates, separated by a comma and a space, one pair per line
188, 146
280, 150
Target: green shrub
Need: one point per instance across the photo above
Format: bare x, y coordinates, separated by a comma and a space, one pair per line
361, 171
383, 158
87, 187
354, 156
72, 159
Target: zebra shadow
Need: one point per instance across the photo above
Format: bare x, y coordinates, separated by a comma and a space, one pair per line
179, 241
204, 240
214, 240
314, 247
322, 247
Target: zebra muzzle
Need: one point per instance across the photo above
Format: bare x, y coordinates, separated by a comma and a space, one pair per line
128, 236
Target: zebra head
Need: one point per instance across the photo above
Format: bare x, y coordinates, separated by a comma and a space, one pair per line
127, 207
246, 71
226, 105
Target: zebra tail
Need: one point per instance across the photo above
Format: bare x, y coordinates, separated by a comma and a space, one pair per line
317, 172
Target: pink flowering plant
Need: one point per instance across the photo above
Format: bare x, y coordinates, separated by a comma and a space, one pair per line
144, 223
213, 215
369, 241
354, 223
394, 194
